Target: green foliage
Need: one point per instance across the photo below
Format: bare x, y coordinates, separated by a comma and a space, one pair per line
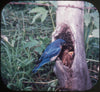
95, 16
31, 44
14, 64
41, 13
43, 43
54, 3
87, 18
95, 33
21, 46
91, 26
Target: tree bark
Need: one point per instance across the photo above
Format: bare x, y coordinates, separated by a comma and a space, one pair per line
76, 77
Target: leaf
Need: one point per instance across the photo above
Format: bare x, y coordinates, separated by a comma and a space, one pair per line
28, 88
25, 62
37, 10
53, 89
95, 45
95, 33
43, 46
17, 73
49, 88
95, 16
40, 12
96, 22
44, 16
54, 3
53, 84
4, 43
87, 18
10, 84
12, 43
31, 44
39, 50
29, 62
36, 17
31, 38
46, 40
87, 4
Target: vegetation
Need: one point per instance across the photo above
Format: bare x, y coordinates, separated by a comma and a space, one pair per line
91, 33
26, 31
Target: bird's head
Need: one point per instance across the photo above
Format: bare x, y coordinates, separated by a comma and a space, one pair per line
63, 43
60, 42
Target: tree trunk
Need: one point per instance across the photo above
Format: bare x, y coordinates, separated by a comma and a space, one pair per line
70, 19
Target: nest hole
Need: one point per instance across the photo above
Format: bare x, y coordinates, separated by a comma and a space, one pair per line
66, 34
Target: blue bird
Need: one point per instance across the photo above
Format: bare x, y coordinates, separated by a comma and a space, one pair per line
51, 53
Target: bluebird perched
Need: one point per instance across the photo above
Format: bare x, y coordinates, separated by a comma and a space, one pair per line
50, 53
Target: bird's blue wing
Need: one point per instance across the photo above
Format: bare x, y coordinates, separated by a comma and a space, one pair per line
53, 52
54, 46
50, 52
45, 51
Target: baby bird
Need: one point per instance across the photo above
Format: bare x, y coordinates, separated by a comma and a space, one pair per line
67, 57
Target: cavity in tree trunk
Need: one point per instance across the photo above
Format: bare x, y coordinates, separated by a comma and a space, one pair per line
69, 22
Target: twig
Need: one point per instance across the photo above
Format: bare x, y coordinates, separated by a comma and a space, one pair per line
94, 77
52, 19
39, 82
92, 60
57, 89
76, 7
92, 71
29, 3
23, 21
3, 17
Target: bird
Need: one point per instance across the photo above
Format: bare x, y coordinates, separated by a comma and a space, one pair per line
50, 53
67, 58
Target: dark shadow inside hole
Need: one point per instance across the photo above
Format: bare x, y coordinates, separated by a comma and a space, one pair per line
67, 54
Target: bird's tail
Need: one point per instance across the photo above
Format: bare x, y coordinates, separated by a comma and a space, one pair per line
35, 69
39, 65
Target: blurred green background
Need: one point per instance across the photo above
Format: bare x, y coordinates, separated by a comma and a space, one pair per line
26, 31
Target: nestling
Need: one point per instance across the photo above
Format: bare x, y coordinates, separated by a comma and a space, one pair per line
67, 57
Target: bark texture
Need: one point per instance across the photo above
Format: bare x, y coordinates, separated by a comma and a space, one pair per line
71, 20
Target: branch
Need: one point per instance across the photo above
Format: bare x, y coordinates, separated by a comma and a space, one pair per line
40, 82
71, 6
92, 71
30, 3
94, 77
92, 60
